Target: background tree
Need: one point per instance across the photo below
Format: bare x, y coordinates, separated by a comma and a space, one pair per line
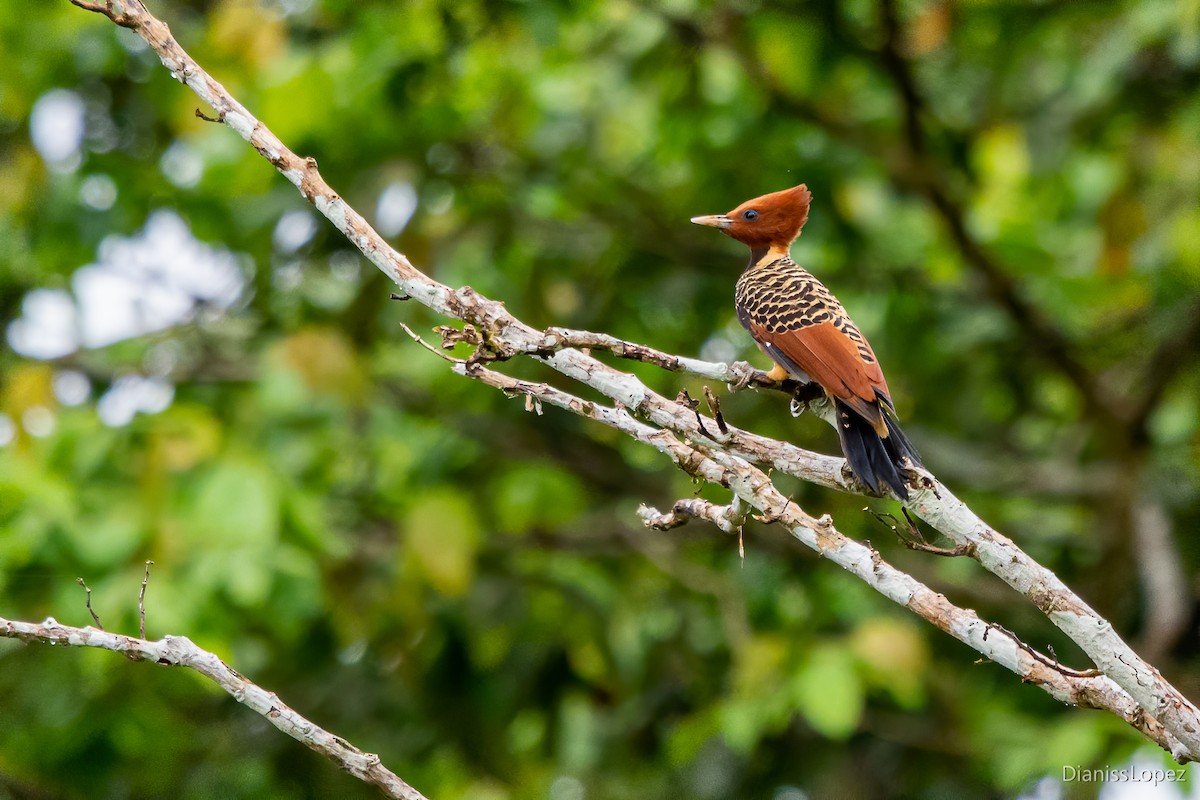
1008, 210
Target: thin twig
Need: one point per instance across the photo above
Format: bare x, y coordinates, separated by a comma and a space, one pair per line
142, 602
88, 589
714, 406
737, 373
684, 399
416, 338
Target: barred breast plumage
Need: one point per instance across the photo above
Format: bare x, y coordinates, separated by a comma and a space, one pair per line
780, 296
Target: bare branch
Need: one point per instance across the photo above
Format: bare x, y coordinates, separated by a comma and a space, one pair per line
106, 8
182, 652
728, 518
738, 373
1082, 688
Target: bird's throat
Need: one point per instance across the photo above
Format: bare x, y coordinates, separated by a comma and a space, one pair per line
760, 256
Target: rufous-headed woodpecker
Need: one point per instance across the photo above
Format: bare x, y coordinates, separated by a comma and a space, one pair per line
804, 329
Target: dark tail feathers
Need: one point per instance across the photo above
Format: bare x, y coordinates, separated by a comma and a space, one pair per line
874, 459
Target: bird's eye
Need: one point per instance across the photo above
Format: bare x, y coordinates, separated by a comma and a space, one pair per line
750, 214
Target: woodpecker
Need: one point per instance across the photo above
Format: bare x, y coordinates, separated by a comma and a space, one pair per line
805, 331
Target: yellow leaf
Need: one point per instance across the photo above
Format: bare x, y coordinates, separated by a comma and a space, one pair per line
442, 535
894, 656
243, 31
183, 436
28, 385
326, 361
759, 664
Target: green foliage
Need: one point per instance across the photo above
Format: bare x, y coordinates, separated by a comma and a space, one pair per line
431, 572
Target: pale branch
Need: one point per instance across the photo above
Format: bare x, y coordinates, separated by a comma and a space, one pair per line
182, 652
104, 7
738, 373
1087, 689
728, 518
1067, 611
934, 503
503, 336
1094, 634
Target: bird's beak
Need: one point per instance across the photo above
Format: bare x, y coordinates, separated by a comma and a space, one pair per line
714, 221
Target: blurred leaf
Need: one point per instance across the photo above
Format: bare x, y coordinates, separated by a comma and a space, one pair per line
441, 532
28, 386
109, 541
236, 504
828, 691
536, 495
326, 361
184, 436
1076, 740
894, 656
787, 47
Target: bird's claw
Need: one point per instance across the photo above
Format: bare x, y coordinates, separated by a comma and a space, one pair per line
743, 375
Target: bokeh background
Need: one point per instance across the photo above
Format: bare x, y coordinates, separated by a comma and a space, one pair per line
200, 371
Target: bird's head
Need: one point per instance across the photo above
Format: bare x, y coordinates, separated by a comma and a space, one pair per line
771, 221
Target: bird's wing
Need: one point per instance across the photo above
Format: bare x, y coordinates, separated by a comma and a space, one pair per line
832, 359
803, 327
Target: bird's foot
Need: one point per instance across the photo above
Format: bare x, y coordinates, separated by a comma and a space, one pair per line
909, 534
803, 395
919, 478
743, 375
